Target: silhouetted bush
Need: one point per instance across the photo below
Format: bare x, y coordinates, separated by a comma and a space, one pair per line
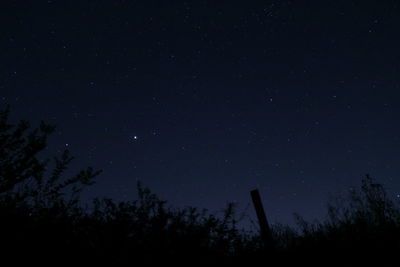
42, 221
364, 226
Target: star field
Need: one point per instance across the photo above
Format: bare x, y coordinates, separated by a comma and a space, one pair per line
203, 101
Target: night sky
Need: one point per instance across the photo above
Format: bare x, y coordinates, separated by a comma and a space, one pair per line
203, 101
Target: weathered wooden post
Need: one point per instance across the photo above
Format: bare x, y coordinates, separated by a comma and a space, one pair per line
265, 231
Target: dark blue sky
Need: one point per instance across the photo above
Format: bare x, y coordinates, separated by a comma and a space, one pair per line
205, 100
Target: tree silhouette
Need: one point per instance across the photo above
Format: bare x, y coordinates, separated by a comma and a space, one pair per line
24, 176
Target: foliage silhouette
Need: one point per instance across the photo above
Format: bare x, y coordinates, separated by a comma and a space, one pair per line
42, 221
22, 173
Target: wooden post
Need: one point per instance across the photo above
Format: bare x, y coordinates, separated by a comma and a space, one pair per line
265, 231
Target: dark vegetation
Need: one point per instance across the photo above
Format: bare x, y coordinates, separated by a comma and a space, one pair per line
42, 221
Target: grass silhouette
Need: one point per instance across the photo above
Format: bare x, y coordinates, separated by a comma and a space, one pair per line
42, 221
